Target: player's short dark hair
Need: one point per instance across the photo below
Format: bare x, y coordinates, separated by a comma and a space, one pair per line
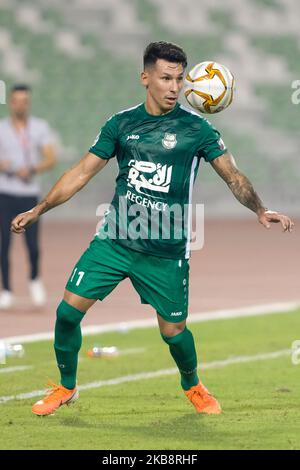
20, 87
164, 50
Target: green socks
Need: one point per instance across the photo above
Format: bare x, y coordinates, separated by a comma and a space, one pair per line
67, 342
182, 349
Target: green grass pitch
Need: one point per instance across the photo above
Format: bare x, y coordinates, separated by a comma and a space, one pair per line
260, 396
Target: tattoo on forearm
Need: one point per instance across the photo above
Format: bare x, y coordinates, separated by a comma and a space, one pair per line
44, 206
245, 193
239, 184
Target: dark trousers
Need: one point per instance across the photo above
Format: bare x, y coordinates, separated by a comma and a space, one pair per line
10, 206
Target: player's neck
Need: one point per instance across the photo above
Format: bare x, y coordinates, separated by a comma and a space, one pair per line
153, 108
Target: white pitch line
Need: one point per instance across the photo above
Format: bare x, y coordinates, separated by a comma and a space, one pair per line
158, 373
123, 327
14, 369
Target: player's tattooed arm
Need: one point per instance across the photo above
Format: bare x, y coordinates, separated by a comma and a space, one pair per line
238, 183
72, 181
244, 192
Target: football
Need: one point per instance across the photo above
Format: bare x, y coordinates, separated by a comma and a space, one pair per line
209, 87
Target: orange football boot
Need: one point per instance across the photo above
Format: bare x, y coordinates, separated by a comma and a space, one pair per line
55, 397
202, 400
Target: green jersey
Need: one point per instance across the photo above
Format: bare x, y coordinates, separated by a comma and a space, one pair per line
158, 159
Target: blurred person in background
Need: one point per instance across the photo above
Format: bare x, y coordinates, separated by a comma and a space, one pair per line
26, 150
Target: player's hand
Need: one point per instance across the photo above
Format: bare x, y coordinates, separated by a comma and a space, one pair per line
268, 217
24, 220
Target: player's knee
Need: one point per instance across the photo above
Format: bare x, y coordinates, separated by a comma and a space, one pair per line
170, 329
175, 338
68, 316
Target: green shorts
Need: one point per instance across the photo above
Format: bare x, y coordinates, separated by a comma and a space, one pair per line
160, 282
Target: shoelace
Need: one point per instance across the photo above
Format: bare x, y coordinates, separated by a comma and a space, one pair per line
54, 388
204, 394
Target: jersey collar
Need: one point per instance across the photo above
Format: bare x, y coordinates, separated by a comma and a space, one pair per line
162, 116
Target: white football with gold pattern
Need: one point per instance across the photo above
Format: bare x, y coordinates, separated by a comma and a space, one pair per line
209, 87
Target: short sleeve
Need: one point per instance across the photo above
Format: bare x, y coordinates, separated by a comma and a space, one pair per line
211, 144
105, 144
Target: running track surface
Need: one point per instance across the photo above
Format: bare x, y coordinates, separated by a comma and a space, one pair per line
241, 264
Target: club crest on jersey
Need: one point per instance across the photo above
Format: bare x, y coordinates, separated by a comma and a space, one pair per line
169, 141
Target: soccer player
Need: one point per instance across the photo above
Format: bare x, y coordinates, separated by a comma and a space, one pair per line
158, 145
